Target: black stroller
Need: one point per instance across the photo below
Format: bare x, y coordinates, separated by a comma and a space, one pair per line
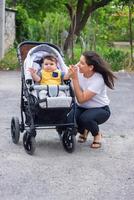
42, 113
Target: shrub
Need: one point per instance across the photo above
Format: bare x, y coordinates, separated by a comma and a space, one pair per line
115, 57
21, 24
10, 61
27, 28
55, 26
35, 30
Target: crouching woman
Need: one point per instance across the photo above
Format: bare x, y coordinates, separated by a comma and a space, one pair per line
90, 78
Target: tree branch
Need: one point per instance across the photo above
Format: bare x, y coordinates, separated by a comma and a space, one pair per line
70, 10
90, 8
79, 10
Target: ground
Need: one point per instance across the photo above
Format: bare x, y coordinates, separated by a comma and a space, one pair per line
53, 174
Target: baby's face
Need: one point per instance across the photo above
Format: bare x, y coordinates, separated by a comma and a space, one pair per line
49, 65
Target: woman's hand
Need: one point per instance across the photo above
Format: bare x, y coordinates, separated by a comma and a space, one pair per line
81, 95
73, 72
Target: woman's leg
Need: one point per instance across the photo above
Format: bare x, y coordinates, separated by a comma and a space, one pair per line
91, 118
77, 111
97, 141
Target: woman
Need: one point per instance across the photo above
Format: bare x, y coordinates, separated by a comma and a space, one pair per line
90, 78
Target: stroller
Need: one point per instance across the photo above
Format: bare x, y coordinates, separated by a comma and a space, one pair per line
47, 112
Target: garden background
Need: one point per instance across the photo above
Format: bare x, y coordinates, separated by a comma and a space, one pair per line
104, 26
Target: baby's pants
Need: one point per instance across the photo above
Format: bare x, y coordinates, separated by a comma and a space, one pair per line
90, 118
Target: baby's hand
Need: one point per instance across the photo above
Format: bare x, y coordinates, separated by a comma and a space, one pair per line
32, 70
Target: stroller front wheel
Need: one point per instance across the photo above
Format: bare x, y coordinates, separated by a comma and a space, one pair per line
69, 140
29, 143
15, 130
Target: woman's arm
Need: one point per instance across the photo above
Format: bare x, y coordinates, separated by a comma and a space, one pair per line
82, 96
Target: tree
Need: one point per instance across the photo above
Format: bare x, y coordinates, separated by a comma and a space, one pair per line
36, 9
80, 14
78, 10
79, 17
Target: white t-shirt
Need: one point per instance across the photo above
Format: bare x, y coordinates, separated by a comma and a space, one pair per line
96, 84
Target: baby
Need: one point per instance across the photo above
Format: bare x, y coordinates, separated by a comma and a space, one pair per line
50, 74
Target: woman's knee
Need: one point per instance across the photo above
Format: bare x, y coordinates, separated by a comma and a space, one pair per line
103, 117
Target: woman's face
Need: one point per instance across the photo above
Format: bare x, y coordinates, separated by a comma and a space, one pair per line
83, 67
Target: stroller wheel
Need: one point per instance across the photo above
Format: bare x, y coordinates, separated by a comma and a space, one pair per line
29, 143
15, 130
69, 140
60, 132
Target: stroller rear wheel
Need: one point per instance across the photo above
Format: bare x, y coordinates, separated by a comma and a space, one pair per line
69, 140
29, 143
15, 130
60, 131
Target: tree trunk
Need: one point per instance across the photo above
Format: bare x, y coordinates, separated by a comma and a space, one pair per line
79, 18
68, 41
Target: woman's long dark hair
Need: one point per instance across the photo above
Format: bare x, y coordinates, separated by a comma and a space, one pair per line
100, 66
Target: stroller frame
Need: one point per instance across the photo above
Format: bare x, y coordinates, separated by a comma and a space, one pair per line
66, 130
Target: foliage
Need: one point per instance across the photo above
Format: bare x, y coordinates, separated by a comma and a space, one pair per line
107, 25
27, 28
38, 10
22, 24
54, 28
49, 21
10, 61
35, 30
115, 57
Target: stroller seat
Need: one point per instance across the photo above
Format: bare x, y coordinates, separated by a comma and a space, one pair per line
54, 96
50, 95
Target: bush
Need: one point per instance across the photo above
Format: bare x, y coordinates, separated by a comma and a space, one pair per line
55, 26
21, 24
27, 28
35, 30
115, 57
10, 61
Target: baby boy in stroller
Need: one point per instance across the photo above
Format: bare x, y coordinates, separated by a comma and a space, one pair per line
46, 99
50, 74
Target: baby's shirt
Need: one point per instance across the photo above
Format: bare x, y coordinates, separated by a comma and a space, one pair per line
51, 78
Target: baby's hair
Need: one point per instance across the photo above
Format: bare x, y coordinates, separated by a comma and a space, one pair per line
50, 57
